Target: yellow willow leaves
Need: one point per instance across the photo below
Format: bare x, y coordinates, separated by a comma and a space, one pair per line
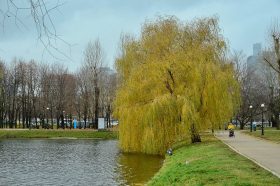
173, 78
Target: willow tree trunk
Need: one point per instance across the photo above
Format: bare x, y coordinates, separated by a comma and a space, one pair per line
195, 137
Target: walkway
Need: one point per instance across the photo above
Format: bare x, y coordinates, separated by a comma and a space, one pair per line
262, 152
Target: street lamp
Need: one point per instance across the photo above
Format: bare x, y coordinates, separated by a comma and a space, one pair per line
63, 124
262, 106
66, 118
251, 126
48, 116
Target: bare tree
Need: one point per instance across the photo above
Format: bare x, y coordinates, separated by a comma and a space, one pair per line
93, 57
60, 92
12, 91
252, 89
83, 95
107, 92
32, 84
30, 91
272, 58
22, 68
70, 92
2, 93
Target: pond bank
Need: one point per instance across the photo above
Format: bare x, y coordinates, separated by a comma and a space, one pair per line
210, 163
58, 134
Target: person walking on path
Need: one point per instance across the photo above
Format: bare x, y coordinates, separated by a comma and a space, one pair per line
231, 126
231, 129
264, 153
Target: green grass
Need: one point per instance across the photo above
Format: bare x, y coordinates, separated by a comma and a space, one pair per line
269, 134
210, 163
49, 133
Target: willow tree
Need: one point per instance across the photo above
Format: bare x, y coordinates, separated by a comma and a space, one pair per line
174, 82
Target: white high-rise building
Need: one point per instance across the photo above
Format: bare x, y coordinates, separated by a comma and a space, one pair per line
254, 62
257, 49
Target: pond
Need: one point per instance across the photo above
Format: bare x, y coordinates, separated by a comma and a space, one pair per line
72, 162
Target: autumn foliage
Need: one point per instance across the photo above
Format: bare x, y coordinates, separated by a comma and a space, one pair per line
174, 82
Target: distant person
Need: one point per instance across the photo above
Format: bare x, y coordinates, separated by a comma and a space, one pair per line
75, 123
231, 128
254, 125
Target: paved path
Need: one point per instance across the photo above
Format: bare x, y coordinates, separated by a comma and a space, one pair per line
264, 153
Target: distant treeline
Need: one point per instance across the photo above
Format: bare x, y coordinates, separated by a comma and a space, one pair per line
34, 94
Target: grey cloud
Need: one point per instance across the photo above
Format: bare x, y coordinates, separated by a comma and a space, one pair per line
242, 22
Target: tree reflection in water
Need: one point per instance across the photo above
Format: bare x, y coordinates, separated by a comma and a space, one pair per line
137, 168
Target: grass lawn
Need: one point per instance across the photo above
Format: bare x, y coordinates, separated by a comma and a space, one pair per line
210, 163
49, 133
269, 134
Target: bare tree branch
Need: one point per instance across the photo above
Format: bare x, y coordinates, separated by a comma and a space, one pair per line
40, 12
274, 68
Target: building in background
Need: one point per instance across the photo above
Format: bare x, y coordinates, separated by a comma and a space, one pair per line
255, 63
257, 49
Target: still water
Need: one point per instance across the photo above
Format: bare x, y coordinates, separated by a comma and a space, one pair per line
72, 162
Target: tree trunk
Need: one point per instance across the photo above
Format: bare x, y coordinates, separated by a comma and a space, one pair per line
57, 122
242, 126
96, 107
71, 121
13, 113
277, 123
62, 121
52, 118
1, 118
109, 116
16, 115
79, 122
195, 137
85, 121
36, 122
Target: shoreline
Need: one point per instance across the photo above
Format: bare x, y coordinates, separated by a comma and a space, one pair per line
57, 134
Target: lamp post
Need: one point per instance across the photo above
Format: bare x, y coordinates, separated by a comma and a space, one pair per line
48, 116
66, 118
262, 106
251, 126
63, 124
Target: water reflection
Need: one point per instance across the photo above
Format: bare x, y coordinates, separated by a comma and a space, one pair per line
58, 162
137, 169
72, 162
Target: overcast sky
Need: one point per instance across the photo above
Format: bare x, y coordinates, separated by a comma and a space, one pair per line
243, 23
